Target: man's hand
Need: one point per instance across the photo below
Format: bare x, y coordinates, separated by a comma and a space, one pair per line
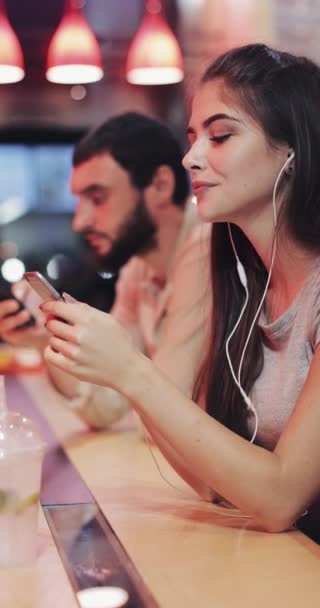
12, 319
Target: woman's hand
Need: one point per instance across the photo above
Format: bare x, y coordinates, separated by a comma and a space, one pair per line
88, 344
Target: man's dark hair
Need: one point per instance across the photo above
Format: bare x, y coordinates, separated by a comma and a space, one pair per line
139, 144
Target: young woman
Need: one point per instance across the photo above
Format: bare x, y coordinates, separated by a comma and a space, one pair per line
254, 151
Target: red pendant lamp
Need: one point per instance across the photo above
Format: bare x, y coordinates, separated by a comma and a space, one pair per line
154, 56
74, 56
11, 56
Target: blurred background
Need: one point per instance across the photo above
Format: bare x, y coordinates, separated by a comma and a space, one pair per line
41, 120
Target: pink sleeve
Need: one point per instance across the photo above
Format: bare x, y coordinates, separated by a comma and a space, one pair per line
127, 292
185, 329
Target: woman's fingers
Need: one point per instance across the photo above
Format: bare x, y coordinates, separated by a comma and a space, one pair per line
91, 346
62, 330
59, 360
67, 349
68, 298
71, 313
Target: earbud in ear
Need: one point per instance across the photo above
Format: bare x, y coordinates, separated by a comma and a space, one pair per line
289, 163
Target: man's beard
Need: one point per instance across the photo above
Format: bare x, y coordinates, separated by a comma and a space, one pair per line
136, 235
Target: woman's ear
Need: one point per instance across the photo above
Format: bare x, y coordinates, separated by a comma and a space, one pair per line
160, 192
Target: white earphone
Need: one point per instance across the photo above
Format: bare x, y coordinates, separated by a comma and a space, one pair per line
243, 280
237, 379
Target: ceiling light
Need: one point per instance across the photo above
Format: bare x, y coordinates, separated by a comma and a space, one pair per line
154, 56
11, 56
74, 56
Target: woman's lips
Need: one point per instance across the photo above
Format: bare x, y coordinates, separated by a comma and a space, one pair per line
199, 187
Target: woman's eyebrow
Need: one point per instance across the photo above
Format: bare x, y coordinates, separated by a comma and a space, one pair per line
206, 123
216, 117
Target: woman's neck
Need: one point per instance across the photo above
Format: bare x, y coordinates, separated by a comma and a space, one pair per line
291, 267
289, 274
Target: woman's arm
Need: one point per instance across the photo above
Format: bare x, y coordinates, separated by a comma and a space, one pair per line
274, 488
177, 463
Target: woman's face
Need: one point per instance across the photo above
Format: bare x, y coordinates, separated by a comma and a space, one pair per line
233, 167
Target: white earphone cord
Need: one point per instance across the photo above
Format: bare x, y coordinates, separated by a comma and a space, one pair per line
243, 279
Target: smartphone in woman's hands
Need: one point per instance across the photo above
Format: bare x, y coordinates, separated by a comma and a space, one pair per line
41, 286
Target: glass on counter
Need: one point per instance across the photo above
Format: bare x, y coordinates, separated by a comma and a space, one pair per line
21, 454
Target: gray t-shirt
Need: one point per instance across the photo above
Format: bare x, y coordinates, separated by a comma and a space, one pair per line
291, 341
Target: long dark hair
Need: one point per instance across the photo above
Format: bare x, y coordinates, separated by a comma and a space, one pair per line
281, 93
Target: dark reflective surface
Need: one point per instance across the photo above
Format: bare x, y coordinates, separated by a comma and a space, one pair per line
90, 551
92, 554
61, 482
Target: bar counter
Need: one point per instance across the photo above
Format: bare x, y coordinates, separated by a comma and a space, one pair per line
188, 553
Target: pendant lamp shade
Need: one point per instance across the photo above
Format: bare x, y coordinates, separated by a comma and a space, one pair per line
154, 56
11, 56
74, 55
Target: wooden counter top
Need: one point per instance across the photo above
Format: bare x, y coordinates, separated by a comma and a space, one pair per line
188, 552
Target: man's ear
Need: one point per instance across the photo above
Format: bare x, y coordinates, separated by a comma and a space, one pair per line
160, 192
